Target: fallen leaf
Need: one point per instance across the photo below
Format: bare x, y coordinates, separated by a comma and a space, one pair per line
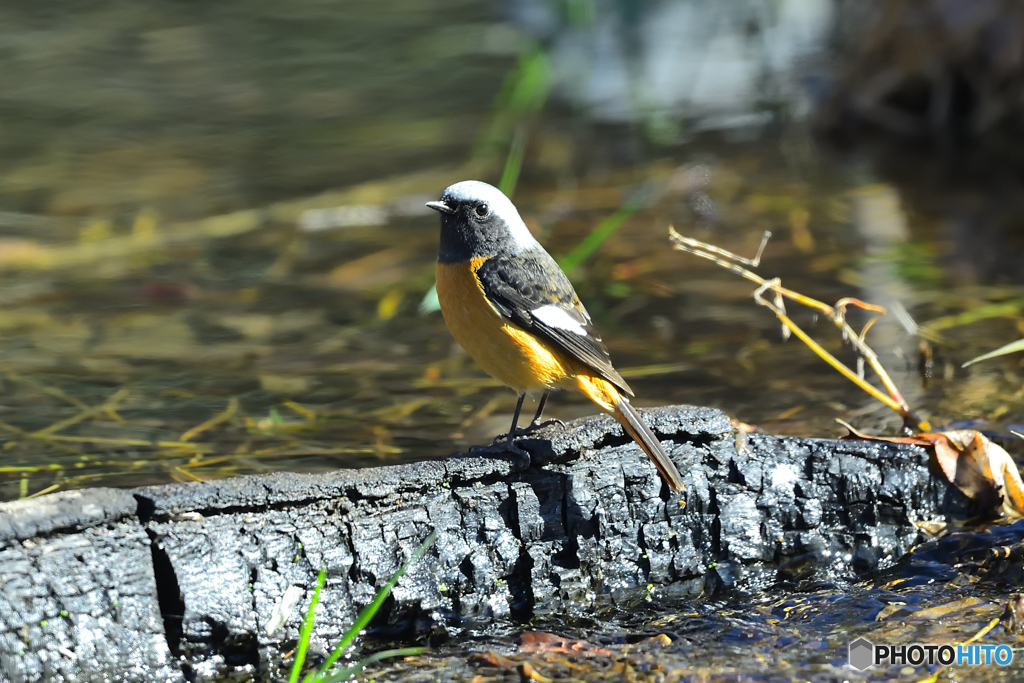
492, 658
529, 673
1013, 615
742, 427
983, 471
389, 304
540, 641
889, 610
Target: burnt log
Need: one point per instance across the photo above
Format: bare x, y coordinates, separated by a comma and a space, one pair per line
180, 582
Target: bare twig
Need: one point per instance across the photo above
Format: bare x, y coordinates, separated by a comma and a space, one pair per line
836, 314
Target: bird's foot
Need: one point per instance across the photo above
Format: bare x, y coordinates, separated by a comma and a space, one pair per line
546, 423
510, 438
530, 430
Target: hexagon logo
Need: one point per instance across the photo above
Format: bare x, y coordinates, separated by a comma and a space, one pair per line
861, 654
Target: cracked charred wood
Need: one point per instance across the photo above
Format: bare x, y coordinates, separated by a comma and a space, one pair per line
78, 599
180, 582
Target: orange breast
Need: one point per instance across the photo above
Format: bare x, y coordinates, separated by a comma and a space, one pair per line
504, 350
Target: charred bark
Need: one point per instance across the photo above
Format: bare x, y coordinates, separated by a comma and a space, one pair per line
179, 582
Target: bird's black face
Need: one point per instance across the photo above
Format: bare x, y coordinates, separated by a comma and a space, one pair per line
477, 221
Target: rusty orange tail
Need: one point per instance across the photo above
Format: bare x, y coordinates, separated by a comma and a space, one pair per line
604, 394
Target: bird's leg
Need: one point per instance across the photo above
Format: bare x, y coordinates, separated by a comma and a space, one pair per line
509, 445
515, 417
540, 408
515, 422
536, 423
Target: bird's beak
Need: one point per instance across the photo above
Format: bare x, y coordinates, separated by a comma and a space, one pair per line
441, 206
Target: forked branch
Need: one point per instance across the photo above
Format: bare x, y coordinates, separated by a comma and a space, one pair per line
837, 314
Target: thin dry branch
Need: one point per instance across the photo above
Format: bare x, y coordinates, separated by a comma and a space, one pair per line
837, 314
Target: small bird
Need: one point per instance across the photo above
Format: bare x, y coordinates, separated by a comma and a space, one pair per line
515, 312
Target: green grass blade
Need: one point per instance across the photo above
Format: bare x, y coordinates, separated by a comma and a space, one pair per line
344, 674
1012, 347
514, 163
524, 92
598, 236
533, 85
307, 628
368, 612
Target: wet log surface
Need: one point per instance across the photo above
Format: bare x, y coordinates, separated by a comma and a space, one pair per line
179, 582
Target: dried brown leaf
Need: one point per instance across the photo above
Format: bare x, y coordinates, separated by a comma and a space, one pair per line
983, 471
540, 641
1013, 615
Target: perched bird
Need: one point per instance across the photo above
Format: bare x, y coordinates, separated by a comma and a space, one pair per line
515, 312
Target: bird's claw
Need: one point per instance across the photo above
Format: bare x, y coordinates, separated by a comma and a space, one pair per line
546, 423
500, 439
508, 438
530, 430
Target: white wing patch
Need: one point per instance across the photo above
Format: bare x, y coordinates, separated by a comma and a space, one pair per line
553, 316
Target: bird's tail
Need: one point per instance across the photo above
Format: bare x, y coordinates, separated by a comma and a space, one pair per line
606, 395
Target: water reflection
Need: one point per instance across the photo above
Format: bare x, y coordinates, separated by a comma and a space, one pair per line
684, 65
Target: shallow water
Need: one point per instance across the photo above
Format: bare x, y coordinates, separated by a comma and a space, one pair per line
307, 349
944, 592
213, 253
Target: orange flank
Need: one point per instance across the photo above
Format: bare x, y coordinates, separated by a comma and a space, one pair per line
503, 350
600, 391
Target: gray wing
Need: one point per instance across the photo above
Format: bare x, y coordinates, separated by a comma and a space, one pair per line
532, 291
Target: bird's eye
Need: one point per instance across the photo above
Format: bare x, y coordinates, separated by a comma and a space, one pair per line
482, 210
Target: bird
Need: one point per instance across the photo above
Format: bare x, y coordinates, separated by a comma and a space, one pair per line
510, 306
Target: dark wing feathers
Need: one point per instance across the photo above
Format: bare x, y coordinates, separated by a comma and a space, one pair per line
519, 285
